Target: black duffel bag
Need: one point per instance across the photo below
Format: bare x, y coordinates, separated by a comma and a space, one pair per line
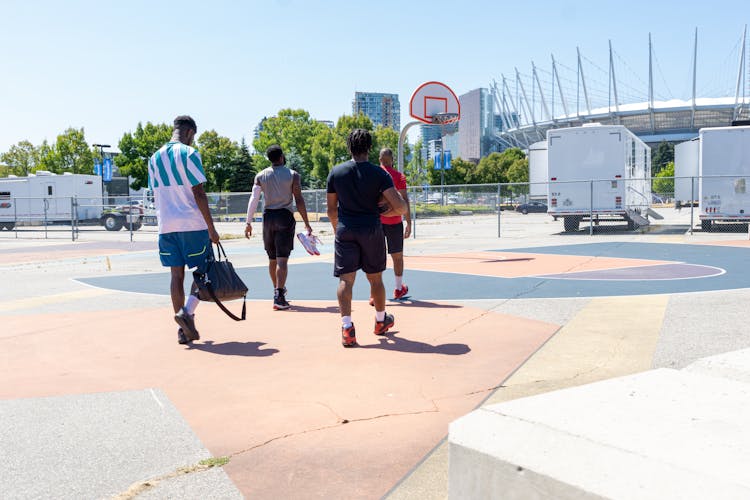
217, 281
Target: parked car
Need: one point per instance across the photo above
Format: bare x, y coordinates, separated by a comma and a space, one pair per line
532, 206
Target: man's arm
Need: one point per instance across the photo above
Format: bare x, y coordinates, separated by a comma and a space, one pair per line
407, 216
202, 201
332, 200
251, 206
299, 200
398, 205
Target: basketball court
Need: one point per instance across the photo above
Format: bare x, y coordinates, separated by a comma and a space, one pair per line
109, 404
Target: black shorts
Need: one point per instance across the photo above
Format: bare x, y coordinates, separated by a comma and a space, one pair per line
359, 248
278, 232
394, 237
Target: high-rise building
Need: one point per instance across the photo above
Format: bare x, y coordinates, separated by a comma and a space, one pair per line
477, 124
432, 133
383, 109
451, 142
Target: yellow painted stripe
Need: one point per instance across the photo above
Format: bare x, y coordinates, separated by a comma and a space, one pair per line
610, 337
13, 305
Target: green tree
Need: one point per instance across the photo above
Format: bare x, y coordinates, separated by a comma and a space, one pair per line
661, 156
415, 171
663, 182
21, 158
324, 154
386, 137
292, 129
242, 172
494, 168
329, 145
519, 171
459, 172
218, 153
69, 153
137, 147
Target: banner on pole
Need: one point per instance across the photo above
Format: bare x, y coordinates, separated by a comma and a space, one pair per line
447, 159
97, 167
107, 170
438, 163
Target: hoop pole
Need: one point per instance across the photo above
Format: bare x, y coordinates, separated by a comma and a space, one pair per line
401, 140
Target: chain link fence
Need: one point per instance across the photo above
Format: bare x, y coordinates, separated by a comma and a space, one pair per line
614, 206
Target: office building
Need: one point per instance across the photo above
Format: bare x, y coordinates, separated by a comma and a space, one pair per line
477, 124
383, 109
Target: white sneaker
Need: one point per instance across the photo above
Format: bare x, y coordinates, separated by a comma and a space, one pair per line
309, 242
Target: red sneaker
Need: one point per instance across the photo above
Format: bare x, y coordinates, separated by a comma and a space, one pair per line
397, 294
381, 327
348, 336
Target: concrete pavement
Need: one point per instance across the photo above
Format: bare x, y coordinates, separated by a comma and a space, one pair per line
299, 416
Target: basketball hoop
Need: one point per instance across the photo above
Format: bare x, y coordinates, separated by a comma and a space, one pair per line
444, 118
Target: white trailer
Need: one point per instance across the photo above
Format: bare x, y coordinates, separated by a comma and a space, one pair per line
538, 170
686, 171
725, 174
598, 172
45, 196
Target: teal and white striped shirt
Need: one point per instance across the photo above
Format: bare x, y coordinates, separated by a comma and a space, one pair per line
172, 172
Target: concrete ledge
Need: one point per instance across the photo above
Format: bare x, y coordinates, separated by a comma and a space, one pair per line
659, 434
732, 365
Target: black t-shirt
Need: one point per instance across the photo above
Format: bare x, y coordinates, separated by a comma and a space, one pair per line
358, 187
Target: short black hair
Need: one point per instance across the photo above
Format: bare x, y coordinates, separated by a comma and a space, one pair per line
359, 141
184, 123
274, 153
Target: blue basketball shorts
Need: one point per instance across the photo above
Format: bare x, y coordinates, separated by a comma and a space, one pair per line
188, 248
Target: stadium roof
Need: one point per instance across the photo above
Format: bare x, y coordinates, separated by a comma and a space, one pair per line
526, 121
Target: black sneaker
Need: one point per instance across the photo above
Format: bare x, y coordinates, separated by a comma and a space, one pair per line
279, 300
181, 338
187, 323
381, 327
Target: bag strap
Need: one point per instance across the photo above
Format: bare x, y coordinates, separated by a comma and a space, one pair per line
220, 251
210, 290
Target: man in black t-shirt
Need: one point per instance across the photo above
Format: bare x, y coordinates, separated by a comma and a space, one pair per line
354, 190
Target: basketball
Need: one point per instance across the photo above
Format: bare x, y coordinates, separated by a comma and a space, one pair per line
383, 205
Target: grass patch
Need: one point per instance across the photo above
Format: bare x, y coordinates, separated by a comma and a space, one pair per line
430, 210
214, 462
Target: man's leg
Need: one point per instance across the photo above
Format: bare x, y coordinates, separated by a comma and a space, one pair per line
398, 264
272, 271
344, 294
377, 290
176, 287
281, 272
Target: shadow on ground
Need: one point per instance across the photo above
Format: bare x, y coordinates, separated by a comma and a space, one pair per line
235, 348
392, 342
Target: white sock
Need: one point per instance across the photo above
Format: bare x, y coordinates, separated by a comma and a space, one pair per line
346, 321
192, 304
399, 282
379, 315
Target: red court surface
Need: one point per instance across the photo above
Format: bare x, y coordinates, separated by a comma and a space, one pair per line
299, 415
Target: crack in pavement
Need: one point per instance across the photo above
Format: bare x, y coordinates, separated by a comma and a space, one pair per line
143, 486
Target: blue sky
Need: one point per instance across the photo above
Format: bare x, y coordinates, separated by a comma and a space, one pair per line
107, 65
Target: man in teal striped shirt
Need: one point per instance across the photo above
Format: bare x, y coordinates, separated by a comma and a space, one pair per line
186, 229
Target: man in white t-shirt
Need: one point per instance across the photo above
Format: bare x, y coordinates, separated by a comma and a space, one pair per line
186, 229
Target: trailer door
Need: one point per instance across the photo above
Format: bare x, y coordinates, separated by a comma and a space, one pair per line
50, 201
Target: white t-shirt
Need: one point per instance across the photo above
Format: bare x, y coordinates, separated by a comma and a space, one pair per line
172, 173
